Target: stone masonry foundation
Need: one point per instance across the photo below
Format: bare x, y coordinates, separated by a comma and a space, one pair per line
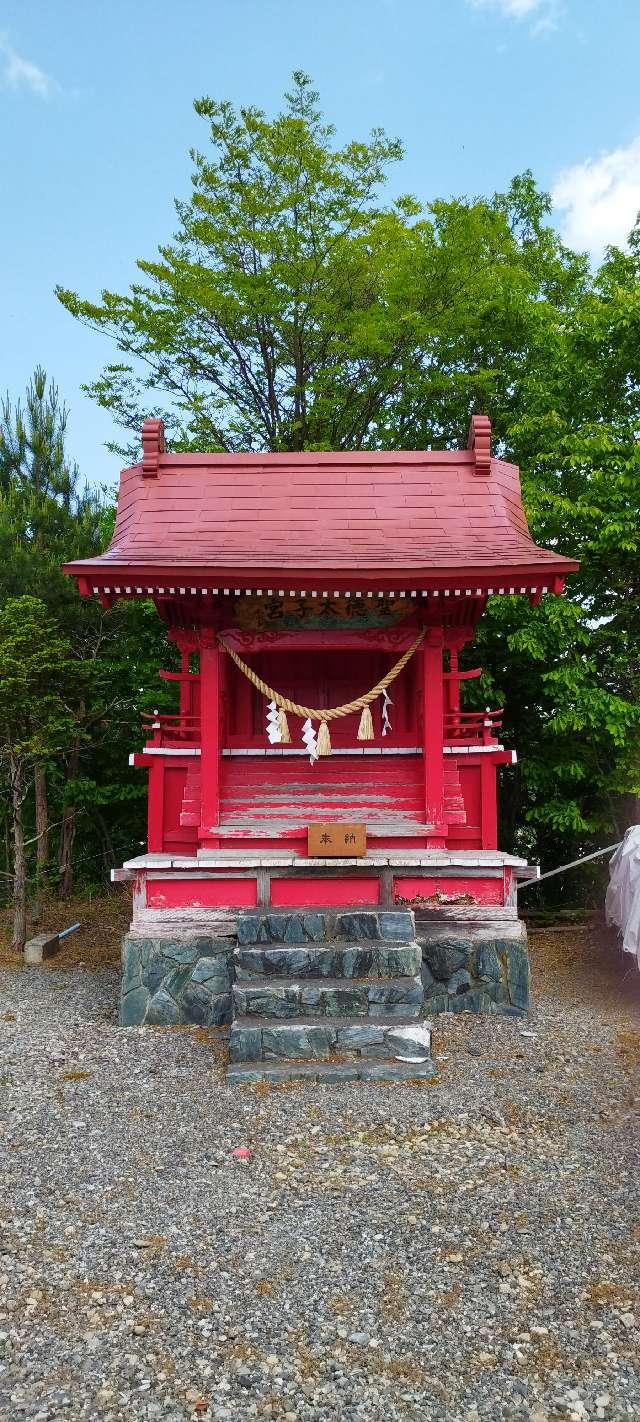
474, 967
189, 977
167, 981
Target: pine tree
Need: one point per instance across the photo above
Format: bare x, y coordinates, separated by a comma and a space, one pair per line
42, 505
36, 673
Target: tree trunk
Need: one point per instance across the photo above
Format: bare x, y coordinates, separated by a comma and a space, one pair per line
42, 837
7, 854
42, 819
16, 775
68, 830
633, 811
510, 803
108, 852
65, 855
625, 812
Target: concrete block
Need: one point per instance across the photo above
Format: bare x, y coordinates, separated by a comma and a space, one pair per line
44, 945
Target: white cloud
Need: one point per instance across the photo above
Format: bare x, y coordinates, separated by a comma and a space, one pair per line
513, 9
599, 199
542, 13
18, 72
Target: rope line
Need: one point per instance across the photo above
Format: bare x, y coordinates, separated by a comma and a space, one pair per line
331, 713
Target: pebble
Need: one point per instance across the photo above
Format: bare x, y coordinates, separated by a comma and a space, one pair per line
457, 1252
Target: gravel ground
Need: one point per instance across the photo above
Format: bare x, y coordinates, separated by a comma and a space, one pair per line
462, 1249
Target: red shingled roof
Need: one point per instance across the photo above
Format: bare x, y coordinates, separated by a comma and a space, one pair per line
425, 516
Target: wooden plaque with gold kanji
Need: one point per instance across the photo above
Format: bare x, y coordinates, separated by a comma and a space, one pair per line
337, 841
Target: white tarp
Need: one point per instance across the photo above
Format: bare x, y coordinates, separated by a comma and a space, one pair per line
622, 902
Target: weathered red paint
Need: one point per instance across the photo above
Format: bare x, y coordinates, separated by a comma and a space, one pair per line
328, 893
202, 893
463, 889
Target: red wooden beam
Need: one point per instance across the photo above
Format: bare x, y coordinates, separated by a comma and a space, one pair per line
210, 655
386, 639
503, 571
433, 723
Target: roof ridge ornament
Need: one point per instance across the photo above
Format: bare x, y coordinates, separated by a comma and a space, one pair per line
479, 440
153, 445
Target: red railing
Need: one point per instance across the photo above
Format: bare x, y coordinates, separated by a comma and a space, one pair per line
467, 727
472, 727
166, 729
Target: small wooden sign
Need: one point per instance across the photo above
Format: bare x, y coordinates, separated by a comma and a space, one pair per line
336, 840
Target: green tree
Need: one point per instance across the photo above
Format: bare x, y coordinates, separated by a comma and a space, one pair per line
42, 510
293, 310
46, 519
32, 443
36, 664
259, 320
570, 670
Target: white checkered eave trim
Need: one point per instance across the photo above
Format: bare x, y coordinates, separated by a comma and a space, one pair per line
156, 590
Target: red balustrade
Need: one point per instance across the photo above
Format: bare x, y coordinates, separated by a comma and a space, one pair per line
168, 729
472, 727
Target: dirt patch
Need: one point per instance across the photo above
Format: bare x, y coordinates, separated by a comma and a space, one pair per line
583, 964
103, 918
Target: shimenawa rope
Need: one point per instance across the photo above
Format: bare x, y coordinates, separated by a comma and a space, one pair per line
327, 713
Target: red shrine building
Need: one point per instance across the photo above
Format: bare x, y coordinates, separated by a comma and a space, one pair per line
316, 573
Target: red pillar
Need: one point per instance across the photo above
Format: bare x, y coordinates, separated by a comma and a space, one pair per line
433, 723
489, 802
209, 738
155, 806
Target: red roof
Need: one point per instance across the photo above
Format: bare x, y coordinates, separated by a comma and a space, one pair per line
427, 517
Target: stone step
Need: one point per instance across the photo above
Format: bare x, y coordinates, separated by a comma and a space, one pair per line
325, 925
328, 1073
255, 1039
329, 960
329, 997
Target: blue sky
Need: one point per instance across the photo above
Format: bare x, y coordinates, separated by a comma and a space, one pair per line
96, 121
